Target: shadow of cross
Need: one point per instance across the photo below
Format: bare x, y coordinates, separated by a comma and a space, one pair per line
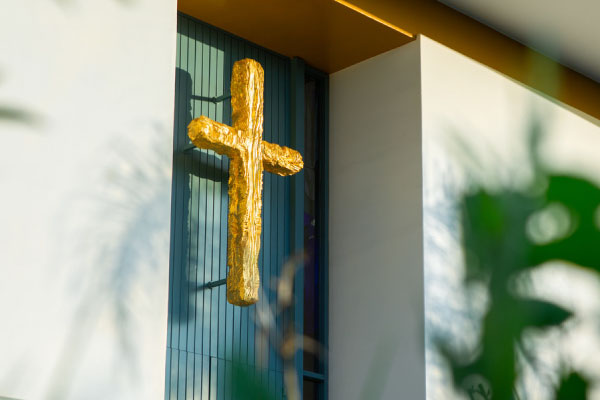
249, 155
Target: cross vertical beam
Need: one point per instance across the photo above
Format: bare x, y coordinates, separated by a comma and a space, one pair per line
249, 156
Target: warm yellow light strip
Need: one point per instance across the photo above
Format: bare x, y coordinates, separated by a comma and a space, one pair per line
373, 17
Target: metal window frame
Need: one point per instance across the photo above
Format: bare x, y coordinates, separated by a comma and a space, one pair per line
299, 71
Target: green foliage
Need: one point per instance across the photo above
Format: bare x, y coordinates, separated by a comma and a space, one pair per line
581, 247
247, 386
497, 249
12, 114
479, 392
572, 387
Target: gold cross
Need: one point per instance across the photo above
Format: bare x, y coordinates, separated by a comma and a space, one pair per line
249, 155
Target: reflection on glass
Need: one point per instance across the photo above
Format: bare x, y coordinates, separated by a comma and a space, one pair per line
310, 390
312, 287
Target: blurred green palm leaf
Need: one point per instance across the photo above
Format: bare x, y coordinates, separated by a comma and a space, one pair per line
573, 387
13, 114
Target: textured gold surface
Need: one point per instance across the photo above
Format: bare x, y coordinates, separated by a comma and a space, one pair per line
249, 156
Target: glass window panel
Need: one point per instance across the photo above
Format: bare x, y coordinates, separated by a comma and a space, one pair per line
311, 390
312, 286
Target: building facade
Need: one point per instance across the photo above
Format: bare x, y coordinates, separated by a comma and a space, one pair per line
114, 230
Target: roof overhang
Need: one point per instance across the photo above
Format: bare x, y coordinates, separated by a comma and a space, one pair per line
328, 34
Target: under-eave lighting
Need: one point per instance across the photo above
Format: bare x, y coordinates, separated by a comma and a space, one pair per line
373, 17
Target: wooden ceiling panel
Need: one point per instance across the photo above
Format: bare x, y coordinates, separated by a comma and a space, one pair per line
328, 35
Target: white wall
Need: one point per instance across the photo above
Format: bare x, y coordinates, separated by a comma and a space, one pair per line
466, 102
399, 125
376, 263
85, 197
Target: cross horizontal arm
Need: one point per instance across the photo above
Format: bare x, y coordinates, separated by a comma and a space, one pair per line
281, 160
208, 134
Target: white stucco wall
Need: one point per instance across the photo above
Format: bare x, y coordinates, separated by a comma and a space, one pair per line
399, 124
376, 257
466, 102
85, 197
